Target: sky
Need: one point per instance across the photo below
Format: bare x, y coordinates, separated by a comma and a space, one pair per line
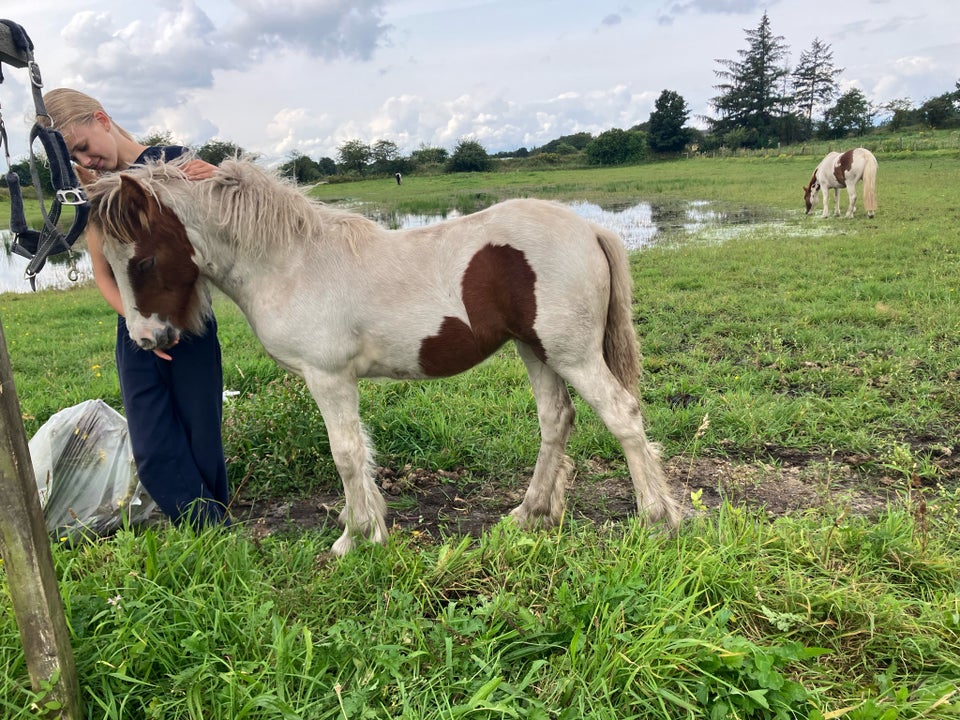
278, 77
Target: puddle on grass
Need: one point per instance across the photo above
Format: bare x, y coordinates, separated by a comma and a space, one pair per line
53, 275
639, 224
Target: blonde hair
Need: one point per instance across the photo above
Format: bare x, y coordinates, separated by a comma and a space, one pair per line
68, 107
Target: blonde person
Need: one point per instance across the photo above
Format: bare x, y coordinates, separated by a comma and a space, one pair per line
173, 400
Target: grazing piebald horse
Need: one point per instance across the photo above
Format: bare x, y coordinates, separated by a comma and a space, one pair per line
839, 170
335, 297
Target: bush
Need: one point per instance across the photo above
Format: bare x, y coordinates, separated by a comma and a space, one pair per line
618, 147
469, 156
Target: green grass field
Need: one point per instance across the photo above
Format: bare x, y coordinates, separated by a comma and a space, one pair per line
816, 339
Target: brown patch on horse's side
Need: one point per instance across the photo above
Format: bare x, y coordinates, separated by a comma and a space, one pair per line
842, 167
497, 290
162, 272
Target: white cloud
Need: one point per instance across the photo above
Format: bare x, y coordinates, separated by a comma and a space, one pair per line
328, 29
915, 65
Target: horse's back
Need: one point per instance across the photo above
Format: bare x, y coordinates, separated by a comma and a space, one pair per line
545, 232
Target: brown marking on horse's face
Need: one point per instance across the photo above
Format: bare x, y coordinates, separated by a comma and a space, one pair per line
807, 192
161, 271
842, 166
497, 290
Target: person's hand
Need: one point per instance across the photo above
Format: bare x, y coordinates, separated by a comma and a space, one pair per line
163, 355
198, 170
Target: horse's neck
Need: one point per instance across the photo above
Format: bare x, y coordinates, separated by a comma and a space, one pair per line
221, 262
241, 270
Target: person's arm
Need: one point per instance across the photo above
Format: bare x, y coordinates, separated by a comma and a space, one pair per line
102, 274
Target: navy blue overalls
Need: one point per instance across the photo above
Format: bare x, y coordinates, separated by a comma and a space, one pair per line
174, 411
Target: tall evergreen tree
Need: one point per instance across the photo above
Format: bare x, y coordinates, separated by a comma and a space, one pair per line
751, 95
815, 79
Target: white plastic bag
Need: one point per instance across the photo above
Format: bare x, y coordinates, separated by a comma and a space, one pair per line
85, 473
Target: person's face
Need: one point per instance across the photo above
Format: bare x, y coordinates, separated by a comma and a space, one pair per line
92, 144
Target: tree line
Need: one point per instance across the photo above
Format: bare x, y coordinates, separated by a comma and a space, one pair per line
761, 102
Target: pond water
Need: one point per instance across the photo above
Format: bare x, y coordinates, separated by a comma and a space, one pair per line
53, 275
639, 224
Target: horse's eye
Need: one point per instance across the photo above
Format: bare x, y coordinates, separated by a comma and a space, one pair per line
146, 265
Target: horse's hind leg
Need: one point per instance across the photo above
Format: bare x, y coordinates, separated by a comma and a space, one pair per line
544, 499
620, 412
852, 196
364, 508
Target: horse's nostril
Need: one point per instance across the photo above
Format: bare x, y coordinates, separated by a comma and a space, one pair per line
166, 337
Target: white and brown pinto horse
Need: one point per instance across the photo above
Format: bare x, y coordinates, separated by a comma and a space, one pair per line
335, 297
844, 170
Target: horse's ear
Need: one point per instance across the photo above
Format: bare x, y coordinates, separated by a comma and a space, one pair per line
86, 177
127, 217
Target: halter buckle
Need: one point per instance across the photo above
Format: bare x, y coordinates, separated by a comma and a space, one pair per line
72, 196
34, 70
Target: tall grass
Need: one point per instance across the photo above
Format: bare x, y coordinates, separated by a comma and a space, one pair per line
733, 617
819, 339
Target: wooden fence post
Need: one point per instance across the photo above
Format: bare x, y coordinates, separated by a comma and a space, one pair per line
28, 561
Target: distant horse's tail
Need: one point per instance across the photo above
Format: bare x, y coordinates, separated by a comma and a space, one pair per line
619, 338
870, 184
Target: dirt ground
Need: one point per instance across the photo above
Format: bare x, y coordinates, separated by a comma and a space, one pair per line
438, 504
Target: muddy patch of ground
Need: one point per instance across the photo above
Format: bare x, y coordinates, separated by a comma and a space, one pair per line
438, 504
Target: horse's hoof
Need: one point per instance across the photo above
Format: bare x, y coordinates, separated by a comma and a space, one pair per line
343, 545
533, 520
665, 514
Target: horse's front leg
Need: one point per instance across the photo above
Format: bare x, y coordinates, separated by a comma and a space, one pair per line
826, 202
364, 510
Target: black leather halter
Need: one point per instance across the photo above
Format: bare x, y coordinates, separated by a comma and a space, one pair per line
16, 49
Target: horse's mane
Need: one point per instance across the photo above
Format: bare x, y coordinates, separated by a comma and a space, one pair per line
252, 201
257, 209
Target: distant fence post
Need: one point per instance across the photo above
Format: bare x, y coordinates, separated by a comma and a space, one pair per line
25, 548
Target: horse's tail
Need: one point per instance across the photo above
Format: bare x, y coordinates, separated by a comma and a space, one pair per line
619, 337
870, 184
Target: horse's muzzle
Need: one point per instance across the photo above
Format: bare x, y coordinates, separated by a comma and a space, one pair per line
161, 339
